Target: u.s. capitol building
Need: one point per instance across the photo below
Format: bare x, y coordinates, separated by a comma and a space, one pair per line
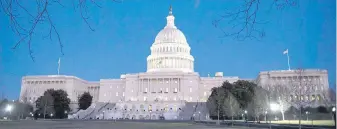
170, 87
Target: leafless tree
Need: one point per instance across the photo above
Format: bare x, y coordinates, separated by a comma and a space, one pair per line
15, 10
231, 106
257, 106
327, 97
281, 95
243, 23
301, 88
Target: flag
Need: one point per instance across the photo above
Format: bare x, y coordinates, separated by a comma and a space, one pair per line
285, 52
59, 62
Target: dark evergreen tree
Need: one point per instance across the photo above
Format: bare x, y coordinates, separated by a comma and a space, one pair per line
84, 101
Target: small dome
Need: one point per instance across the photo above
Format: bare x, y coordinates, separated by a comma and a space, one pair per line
170, 35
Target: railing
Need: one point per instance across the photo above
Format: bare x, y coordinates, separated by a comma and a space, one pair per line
103, 107
89, 114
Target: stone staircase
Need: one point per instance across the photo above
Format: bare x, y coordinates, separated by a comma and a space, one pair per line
98, 111
81, 114
187, 111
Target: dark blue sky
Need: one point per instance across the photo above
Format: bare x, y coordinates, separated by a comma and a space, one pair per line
124, 33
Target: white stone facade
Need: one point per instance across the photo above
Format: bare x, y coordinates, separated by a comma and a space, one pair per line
33, 87
161, 86
309, 85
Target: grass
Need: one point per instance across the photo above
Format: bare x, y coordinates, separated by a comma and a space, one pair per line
305, 122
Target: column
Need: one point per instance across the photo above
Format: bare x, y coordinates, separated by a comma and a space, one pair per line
142, 80
178, 80
170, 85
148, 85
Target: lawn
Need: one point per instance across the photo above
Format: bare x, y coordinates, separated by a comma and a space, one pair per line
305, 122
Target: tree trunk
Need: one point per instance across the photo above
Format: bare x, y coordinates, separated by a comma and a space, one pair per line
282, 112
232, 121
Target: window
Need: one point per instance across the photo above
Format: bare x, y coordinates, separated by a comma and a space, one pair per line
175, 98
175, 82
131, 90
116, 93
175, 90
145, 90
166, 89
190, 98
123, 94
117, 87
110, 87
190, 89
104, 94
318, 97
166, 81
205, 94
165, 98
145, 98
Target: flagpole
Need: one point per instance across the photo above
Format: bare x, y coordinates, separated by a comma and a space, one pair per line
58, 69
288, 61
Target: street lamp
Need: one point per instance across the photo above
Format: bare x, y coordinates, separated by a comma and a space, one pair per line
246, 116
103, 114
274, 107
307, 114
9, 109
334, 114
199, 115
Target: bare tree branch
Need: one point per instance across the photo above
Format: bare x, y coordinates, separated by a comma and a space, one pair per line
243, 23
11, 8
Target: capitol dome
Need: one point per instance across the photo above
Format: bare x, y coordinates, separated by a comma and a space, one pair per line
170, 50
169, 35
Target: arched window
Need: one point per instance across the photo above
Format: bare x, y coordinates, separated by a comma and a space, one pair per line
150, 108
125, 107
134, 107
312, 97
166, 108
318, 97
